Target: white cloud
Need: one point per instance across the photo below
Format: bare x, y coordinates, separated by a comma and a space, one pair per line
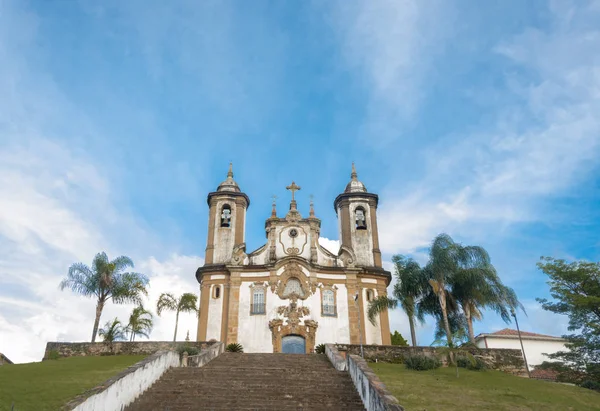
330, 245
536, 149
392, 44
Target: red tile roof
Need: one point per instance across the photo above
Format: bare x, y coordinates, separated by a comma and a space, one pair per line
511, 332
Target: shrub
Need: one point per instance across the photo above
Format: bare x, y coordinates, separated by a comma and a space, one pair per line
234, 347
320, 349
474, 363
53, 355
189, 349
421, 363
591, 385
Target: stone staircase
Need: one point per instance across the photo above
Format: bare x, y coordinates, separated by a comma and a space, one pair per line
234, 381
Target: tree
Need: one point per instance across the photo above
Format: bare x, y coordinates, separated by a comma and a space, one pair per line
478, 286
106, 280
140, 323
575, 287
410, 285
461, 273
112, 331
186, 303
398, 339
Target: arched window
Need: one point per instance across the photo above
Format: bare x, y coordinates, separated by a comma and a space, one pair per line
226, 216
328, 303
370, 295
361, 220
258, 301
293, 287
216, 292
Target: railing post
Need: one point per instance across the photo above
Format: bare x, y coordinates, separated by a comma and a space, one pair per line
184, 359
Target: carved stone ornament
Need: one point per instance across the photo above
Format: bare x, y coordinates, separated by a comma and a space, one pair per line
347, 256
293, 271
298, 237
293, 313
239, 254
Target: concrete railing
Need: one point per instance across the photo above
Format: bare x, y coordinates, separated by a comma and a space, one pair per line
118, 392
372, 391
204, 357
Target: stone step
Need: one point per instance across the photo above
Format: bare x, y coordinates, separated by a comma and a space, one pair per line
235, 381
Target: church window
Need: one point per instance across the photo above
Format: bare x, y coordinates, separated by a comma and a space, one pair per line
226, 216
293, 286
361, 221
328, 307
370, 295
258, 301
216, 292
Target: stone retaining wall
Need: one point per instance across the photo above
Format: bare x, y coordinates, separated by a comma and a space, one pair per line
507, 360
70, 349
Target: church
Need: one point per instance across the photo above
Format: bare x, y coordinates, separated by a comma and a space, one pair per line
291, 294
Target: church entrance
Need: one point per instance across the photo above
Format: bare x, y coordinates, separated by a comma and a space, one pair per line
293, 344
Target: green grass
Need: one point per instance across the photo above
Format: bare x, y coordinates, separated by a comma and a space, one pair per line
490, 390
48, 385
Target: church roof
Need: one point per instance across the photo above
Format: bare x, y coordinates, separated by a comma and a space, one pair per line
355, 186
229, 184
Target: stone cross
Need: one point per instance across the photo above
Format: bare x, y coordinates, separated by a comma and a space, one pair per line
293, 188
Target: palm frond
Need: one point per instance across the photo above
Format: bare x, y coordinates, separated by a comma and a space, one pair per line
166, 301
378, 305
188, 302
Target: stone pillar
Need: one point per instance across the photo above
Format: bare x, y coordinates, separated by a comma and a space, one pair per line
203, 318
375, 235
233, 311
352, 286
210, 242
240, 220
225, 317
345, 223
384, 322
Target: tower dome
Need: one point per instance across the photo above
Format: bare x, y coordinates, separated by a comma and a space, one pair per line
355, 186
229, 184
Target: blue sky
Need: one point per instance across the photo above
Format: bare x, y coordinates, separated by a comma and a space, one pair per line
116, 120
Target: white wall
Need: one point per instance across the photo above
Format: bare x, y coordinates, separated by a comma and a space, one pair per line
125, 390
253, 330
372, 332
534, 349
215, 315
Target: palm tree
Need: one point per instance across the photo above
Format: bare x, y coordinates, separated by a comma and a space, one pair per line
409, 287
140, 323
186, 303
112, 331
480, 287
106, 280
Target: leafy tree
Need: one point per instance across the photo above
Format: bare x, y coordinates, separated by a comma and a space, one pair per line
186, 303
409, 286
112, 331
397, 339
106, 280
575, 288
140, 323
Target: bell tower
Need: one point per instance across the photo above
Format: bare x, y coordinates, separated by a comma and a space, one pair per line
226, 220
357, 218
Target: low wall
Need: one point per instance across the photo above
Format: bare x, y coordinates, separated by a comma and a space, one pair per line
203, 358
77, 349
507, 360
123, 389
372, 391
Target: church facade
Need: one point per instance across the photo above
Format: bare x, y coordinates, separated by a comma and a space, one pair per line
291, 294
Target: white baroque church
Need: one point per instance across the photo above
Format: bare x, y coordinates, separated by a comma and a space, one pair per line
291, 294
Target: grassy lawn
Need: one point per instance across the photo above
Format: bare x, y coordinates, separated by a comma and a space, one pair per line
473, 390
48, 385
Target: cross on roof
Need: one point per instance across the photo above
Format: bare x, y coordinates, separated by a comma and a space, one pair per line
293, 188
